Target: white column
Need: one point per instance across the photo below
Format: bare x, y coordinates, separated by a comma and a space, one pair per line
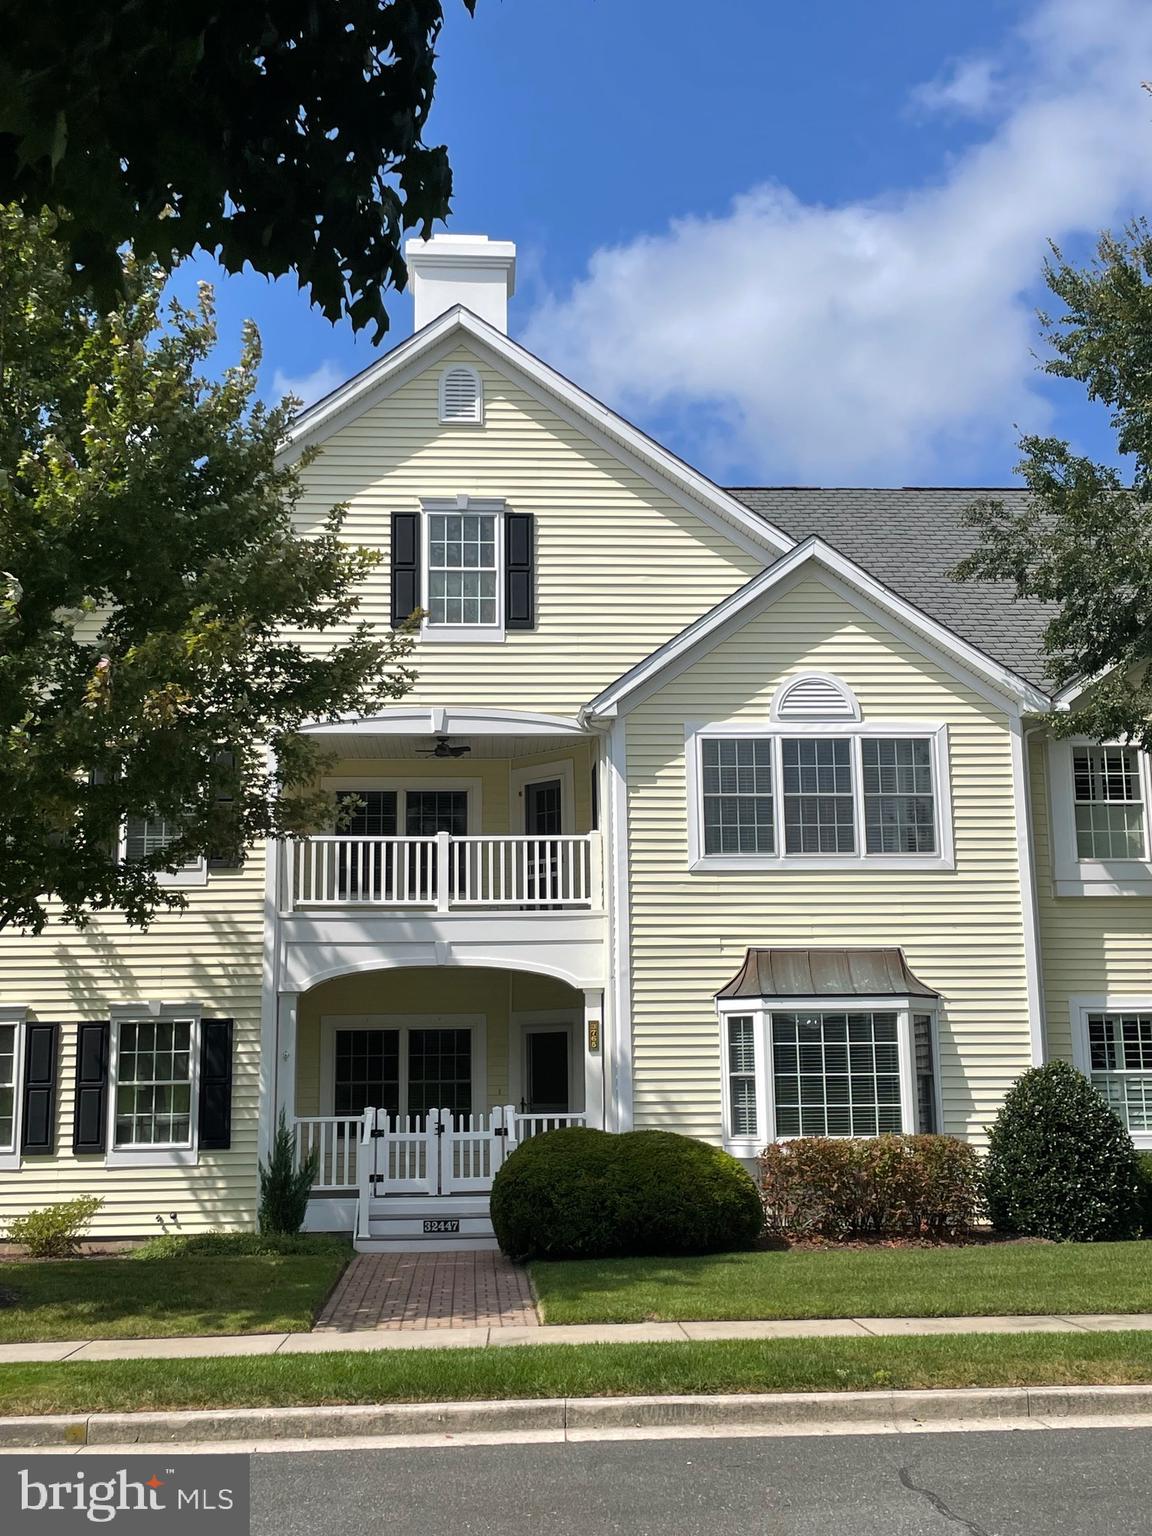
286, 1008
594, 1056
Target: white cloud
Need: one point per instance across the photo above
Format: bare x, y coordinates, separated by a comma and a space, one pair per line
969, 87
862, 340
308, 387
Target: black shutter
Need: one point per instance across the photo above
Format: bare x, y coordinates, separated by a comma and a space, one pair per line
405, 565
215, 1085
519, 571
90, 1113
40, 1054
225, 857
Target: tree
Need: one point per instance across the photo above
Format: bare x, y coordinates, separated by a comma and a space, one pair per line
282, 133
1085, 542
153, 587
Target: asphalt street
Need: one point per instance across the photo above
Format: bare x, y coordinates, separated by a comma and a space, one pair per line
1033, 1483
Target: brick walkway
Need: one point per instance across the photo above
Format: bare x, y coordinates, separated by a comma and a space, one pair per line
429, 1290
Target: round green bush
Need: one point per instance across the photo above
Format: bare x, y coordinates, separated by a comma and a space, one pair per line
582, 1193
1060, 1164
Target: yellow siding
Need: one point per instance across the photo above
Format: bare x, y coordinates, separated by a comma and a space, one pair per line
1089, 945
961, 931
494, 994
210, 954
620, 566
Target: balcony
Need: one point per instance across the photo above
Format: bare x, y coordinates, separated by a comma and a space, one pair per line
444, 874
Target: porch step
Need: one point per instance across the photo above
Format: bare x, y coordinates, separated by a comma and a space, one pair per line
397, 1224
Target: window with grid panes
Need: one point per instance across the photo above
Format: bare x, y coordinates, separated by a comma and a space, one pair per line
145, 835
836, 1074
154, 1083
463, 568
737, 794
819, 809
899, 807
742, 1074
1109, 803
439, 1070
366, 1073
1120, 1056
7, 1087
924, 1056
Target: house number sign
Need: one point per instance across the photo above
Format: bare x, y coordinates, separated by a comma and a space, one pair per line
593, 1034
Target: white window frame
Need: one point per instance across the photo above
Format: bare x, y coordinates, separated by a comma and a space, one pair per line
1079, 1009
15, 1014
473, 788
1072, 875
194, 872
760, 1010
441, 391
173, 1155
464, 506
855, 732
404, 1023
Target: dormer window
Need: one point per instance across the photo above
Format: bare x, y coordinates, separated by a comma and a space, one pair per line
461, 396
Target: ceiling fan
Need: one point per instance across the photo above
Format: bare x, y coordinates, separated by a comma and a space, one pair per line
445, 748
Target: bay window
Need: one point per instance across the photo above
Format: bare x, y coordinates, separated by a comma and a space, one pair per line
1112, 1046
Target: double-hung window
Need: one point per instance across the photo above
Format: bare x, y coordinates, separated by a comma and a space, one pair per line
154, 1070
463, 572
11, 1041
1112, 1045
775, 797
1099, 809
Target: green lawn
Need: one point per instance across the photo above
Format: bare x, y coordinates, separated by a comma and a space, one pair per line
869, 1282
131, 1298
596, 1370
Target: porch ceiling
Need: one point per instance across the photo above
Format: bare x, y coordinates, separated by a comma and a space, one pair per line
372, 746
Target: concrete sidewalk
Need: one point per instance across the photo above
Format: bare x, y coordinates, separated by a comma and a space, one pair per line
593, 1333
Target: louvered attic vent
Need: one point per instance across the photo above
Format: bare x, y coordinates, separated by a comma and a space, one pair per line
461, 397
815, 697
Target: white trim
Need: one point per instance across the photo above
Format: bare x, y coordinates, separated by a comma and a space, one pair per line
404, 1023
15, 1014
520, 775
761, 1010
477, 418
446, 720
528, 1021
627, 443
855, 731
1022, 808
1072, 875
161, 1155
986, 677
780, 707
1080, 1006
462, 634
617, 1045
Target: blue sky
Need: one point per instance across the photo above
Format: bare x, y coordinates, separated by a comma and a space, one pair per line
800, 244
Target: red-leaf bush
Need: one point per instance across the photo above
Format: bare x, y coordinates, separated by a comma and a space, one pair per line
878, 1186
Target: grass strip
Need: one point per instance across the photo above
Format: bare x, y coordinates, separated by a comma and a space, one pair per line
578, 1370
1014, 1278
128, 1298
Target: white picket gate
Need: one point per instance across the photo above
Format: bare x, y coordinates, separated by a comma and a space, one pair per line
439, 1153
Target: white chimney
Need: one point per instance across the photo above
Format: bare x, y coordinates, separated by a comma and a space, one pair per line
470, 270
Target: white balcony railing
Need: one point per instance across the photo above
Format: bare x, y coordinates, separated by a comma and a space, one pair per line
444, 873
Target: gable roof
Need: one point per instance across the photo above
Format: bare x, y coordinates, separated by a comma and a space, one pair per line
752, 529
910, 538
986, 674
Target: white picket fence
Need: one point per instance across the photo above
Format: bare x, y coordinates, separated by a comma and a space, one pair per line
336, 1141
444, 873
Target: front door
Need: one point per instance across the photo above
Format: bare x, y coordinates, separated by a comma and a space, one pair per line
546, 1072
543, 817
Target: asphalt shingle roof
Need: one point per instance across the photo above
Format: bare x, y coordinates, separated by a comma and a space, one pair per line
909, 538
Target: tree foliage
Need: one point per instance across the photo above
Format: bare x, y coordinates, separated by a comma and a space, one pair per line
1085, 542
282, 133
164, 633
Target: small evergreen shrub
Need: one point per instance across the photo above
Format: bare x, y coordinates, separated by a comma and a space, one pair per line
1060, 1164
284, 1188
240, 1245
581, 1193
877, 1186
54, 1231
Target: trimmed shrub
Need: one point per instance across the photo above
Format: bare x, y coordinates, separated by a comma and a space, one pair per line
877, 1186
580, 1194
240, 1245
1060, 1164
284, 1188
53, 1231
1144, 1174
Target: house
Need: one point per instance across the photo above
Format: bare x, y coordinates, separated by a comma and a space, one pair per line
721, 811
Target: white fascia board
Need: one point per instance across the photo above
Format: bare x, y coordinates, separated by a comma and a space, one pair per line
1073, 692
752, 533
443, 720
927, 634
